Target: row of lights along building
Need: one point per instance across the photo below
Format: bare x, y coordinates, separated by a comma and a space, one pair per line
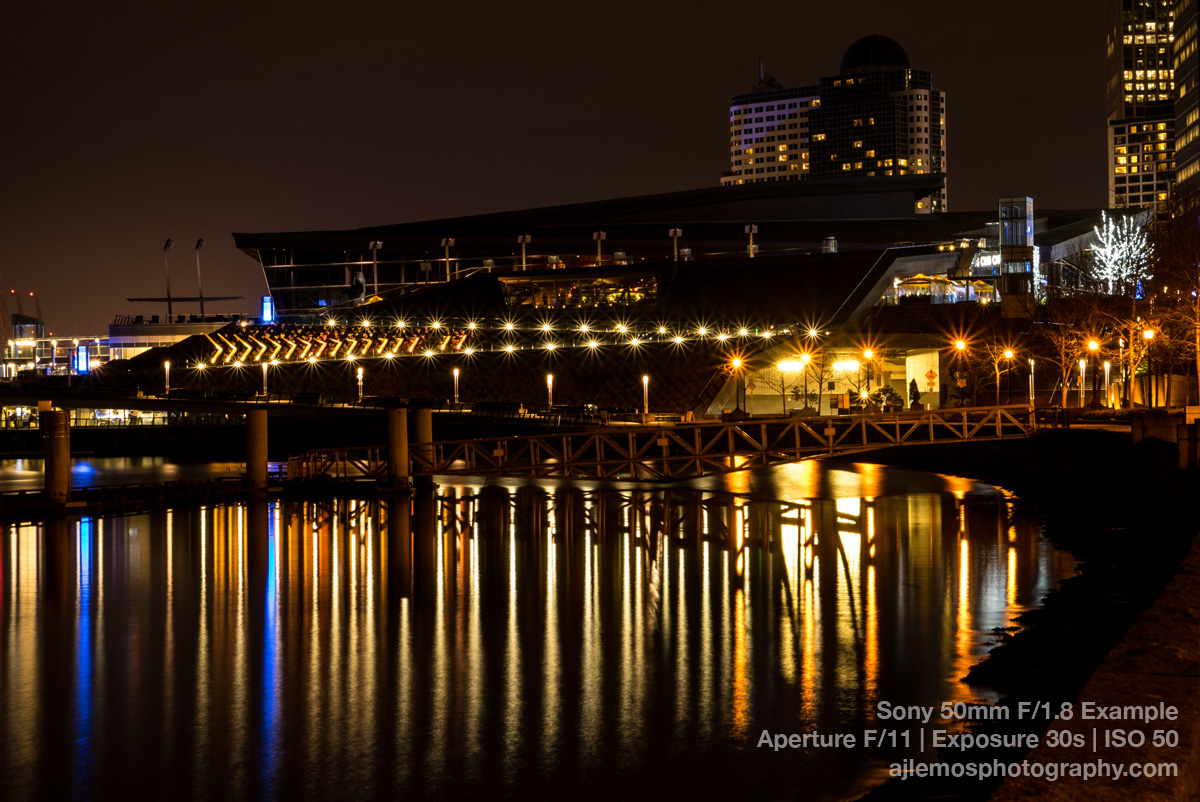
878, 120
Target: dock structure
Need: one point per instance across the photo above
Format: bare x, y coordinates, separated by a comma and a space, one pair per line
678, 451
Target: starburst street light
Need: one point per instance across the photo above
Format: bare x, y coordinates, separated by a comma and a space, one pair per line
735, 365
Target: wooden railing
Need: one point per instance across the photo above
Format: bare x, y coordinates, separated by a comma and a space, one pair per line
680, 451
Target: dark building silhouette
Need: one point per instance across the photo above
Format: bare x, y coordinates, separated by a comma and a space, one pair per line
877, 117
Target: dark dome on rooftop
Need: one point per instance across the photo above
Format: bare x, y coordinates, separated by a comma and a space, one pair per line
874, 51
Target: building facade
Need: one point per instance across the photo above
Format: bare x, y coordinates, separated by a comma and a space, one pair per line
1186, 66
1141, 109
877, 117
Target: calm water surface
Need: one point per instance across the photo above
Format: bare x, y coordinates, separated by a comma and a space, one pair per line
26, 473
523, 639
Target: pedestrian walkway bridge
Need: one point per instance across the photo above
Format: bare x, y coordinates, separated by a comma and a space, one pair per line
677, 451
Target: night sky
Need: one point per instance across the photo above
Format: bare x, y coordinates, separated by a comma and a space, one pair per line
126, 124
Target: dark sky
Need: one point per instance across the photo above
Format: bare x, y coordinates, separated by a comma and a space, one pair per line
127, 123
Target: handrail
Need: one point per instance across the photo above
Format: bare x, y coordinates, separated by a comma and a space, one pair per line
679, 450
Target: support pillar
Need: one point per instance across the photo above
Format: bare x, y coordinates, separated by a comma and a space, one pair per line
424, 450
399, 547
397, 434
56, 436
256, 448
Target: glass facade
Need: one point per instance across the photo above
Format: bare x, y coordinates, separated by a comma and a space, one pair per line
1141, 107
578, 292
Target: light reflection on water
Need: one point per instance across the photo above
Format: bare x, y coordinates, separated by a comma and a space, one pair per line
521, 636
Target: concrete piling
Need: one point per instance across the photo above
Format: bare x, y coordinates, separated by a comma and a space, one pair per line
256, 448
397, 434
56, 434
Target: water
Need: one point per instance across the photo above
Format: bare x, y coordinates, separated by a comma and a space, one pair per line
26, 473
530, 639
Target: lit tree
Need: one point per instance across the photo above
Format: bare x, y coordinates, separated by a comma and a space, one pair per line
1123, 255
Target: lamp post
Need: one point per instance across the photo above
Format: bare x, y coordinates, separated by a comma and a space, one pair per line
1148, 336
868, 355
53, 355
1082, 368
1032, 397
645, 394
199, 283
598, 236
675, 234
549, 390
360, 385
1093, 349
375, 246
167, 270
166, 378
804, 364
456, 385
960, 377
524, 240
446, 243
264, 368
1107, 368
736, 364
1008, 354
751, 230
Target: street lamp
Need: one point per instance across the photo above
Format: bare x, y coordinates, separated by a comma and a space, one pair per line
960, 376
675, 234
375, 246
738, 390
167, 270
447, 242
1082, 366
598, 236
524, 240
868, 355
1148, 336
167, 376
264, 367
456, 385
1032, 397
360, 385
549, 390
1093, 349
1008, 354
645, 394
751, 230
199, 283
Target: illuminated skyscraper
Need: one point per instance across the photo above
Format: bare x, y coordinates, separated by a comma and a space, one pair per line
1186, 66
877, 117
1141, 111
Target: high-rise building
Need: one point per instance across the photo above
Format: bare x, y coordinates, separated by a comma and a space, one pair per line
877, 117
1186, 66
1141, 111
